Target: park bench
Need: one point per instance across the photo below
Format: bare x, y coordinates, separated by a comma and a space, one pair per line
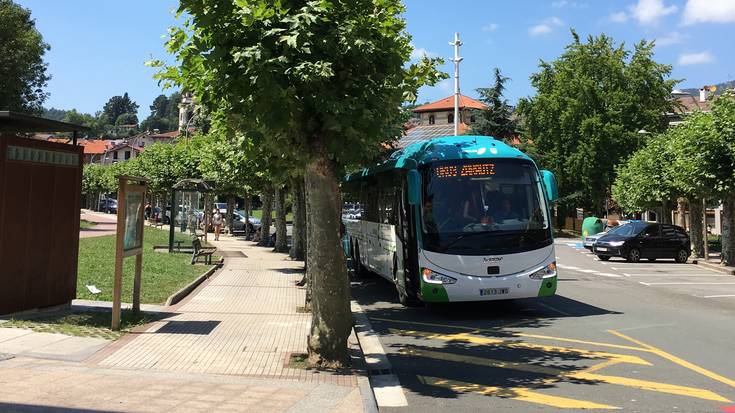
200, 251
155, 222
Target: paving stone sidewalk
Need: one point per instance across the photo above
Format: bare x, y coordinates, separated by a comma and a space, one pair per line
224, 349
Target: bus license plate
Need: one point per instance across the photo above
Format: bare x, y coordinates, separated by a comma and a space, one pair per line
493, 291
601, 249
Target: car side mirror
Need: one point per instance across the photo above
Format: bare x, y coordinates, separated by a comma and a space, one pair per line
552, 191
414, 187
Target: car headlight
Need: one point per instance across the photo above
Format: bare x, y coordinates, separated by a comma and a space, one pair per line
545, 272
616, 243
432, 277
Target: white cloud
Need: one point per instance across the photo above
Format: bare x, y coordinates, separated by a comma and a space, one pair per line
546, 27
709, 11
619, 17
420, 52
696, 58
559, 4
671, 38
490, 27
650, 11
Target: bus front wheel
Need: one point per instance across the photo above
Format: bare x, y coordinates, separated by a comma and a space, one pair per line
403, 296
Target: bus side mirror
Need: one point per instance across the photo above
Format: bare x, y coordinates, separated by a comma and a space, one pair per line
552, 192
414, 187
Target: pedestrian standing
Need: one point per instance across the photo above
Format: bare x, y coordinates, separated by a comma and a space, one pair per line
147, 210
216, 223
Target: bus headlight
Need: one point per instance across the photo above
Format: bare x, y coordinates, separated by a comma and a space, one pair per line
432, 277
545, 272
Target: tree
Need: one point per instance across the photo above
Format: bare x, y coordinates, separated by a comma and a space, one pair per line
704, 162
127, 119
323, 82
590, 104
497, 119
645, 181
22, 69
723, 112
164, 113
119, 105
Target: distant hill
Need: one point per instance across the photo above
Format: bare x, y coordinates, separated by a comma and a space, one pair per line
721, 87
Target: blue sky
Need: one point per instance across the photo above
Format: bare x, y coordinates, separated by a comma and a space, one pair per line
98, 48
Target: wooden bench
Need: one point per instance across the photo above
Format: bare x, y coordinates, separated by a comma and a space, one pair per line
155, 222
200, 251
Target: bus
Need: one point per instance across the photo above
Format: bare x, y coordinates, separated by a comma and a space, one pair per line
451, 219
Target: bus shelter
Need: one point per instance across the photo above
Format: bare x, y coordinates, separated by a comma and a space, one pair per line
190, 201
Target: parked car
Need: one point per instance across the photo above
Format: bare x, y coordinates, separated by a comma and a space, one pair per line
108, 205
590, 240
637, 240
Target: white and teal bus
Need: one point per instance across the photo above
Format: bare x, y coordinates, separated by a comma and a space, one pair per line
451, 219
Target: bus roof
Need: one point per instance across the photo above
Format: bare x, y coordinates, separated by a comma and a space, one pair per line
444, 149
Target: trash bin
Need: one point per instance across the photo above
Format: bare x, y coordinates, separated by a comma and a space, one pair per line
591, 226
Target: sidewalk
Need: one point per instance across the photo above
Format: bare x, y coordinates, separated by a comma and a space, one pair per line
224, 349
106, 224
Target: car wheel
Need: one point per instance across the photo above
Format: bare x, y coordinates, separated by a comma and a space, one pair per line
681, 256
603, 257
651, 260
634, 255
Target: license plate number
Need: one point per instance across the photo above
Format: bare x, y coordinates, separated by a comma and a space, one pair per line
601, 249
493, 291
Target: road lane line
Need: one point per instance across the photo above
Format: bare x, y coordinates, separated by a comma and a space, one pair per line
589, 271
678, 275
719, 296
568, 267
609, 274
626, 274
677, 360
515, 393
525, 335
600, 366
460, 327
578, 375
625, 358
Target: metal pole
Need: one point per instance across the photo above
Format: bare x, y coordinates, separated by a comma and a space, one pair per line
456, 43
704, 229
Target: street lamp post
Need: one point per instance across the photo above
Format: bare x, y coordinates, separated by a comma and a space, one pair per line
456, 43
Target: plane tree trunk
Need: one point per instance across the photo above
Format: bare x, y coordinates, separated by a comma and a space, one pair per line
298, 235
265, 227
695, 227
281, 243
327, 270
728, 230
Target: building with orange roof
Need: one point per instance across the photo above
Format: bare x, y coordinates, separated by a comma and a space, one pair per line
436, 119
94, 149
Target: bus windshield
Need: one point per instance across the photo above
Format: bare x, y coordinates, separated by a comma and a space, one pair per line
472, 204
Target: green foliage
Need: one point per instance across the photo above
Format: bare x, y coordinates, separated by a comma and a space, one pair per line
590, 105
22, 69
98, 178
119, 105
496, 120
164, 113
647, 177
331, 72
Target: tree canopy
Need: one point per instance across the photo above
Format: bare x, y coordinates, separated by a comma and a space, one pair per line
164, 113
590, 105
22, 70
118, 106
496, 120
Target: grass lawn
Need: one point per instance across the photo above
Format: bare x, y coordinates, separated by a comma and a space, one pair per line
163, 273
258, 213
86, 224
81, 324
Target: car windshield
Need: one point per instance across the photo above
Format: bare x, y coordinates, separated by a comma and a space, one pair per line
628, 230
489, 199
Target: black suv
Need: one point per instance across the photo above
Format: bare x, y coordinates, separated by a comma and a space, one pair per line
637, 240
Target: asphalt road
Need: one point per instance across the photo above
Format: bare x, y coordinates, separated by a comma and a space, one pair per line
649, 337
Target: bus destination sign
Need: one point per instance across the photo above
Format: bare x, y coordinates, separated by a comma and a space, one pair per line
467, 170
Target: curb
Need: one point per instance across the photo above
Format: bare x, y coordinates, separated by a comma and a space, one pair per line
384, 384
369, 404
182, 293
715, 267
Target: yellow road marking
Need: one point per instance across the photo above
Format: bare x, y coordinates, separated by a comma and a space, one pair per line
517, 344
494, 330
579, 375
515, 393
677, 360
601, 366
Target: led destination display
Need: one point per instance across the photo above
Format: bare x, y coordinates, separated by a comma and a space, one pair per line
468, 170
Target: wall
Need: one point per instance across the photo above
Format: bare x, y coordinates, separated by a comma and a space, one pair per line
40, 191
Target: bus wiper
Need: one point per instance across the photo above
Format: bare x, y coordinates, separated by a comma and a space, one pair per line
461, 237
